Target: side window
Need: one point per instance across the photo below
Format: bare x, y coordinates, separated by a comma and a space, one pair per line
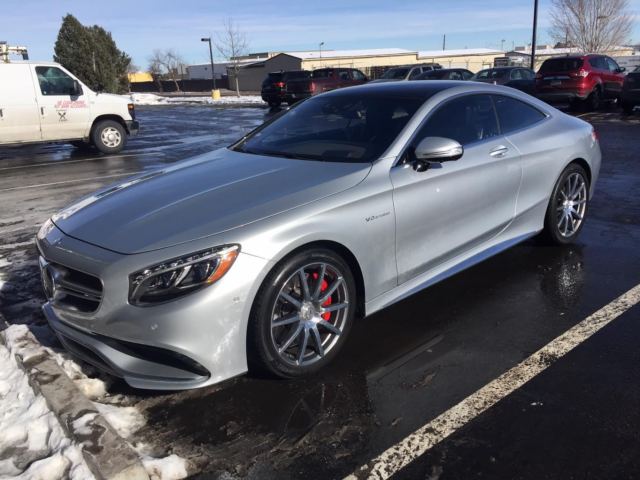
455, 75
599, 63
613, 66
466, 75
344, 75
54, 81
357, 75
414, 73
467, 119
514, 114
516, 74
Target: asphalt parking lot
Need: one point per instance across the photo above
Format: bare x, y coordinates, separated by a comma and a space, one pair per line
404, 366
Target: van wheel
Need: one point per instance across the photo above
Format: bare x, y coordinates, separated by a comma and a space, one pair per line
109, 136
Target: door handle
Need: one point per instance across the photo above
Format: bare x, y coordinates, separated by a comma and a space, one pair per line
499, 152
1, 113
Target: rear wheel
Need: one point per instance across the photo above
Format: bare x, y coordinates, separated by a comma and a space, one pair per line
567, 207
594, 100
109, 136
627, 108
302, 314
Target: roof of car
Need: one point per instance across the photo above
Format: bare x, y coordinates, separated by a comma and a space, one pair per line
401, 89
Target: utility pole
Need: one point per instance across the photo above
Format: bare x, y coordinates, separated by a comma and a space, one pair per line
533, 40
213, 73
320, 48
444, 41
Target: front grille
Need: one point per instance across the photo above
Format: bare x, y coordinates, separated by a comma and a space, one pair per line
70, 289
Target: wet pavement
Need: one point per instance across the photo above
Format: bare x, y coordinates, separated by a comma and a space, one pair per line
403, 366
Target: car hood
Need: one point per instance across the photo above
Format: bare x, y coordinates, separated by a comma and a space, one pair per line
204, 196
110, 98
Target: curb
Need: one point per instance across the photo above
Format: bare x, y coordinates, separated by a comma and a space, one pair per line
108, 456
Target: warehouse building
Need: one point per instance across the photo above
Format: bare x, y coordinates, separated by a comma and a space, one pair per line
521, 56
372, 62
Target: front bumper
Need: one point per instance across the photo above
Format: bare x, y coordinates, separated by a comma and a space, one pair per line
194, 341
133, 127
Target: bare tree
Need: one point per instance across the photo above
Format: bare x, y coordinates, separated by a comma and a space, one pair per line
166, 62
232, 44
592, 26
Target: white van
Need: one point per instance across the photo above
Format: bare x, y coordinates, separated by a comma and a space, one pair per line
44, 102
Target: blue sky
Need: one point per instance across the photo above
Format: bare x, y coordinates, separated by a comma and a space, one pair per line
139, 26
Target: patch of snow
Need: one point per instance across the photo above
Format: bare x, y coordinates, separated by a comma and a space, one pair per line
126, 420
33, 445
172, 467
82, 425
153, 99
4, 262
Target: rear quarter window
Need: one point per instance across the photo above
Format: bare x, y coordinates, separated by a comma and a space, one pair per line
514, 114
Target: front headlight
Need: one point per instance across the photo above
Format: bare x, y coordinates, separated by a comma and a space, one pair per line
179, 276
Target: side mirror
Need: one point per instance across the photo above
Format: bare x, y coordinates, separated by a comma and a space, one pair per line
99, 88
76, 90
621, 69
436, 149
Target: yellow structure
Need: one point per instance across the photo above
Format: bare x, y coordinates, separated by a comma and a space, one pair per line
138, 77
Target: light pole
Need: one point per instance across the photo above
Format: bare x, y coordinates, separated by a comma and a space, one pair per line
320, 48
533, 40
213, 73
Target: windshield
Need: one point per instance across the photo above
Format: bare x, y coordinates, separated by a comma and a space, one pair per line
395, 73
335, 128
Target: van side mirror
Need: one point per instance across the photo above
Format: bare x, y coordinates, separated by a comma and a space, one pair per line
99, 88
76, 90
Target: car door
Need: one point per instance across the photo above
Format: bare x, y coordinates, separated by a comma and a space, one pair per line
64, 113
615, 78
454, 206
19, 119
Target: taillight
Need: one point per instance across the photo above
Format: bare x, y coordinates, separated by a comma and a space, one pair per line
594, 135
579, 74
280, 84
313, 87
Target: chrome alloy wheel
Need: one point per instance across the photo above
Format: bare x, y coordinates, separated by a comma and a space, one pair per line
309, 314
111, 137
571, 204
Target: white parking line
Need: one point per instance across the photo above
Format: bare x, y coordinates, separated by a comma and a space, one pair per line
416, 444
64, 162
92, 179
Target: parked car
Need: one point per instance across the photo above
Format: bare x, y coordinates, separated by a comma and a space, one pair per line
274, 86
407, 72
583, 80
515, 77
631, 91
446, 74
262, 253
44, 102
322, 80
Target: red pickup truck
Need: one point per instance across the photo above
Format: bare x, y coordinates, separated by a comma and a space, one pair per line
322, 80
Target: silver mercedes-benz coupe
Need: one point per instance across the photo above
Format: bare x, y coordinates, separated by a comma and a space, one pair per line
261, 254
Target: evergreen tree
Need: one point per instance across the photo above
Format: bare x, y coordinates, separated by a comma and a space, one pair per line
92, 55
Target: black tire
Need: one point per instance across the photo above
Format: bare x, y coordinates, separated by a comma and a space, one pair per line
109, 136
552, 233
593, 101
263, 354
627, 108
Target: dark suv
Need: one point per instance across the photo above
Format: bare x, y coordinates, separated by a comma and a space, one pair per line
274, 86
631, 91
582, 80
515, 77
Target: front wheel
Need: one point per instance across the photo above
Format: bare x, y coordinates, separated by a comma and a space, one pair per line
567, 207
109, 136
302, 314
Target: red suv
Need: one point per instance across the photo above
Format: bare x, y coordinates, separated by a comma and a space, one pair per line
584, 80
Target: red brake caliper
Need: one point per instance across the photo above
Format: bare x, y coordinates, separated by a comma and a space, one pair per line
323, 287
